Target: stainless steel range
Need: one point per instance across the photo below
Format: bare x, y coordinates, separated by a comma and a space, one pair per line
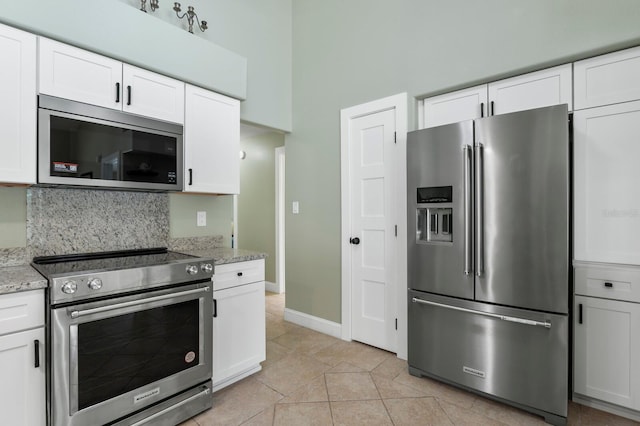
130, 335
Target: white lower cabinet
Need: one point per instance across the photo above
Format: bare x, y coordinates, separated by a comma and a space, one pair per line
239, 342
22, 360
607, 350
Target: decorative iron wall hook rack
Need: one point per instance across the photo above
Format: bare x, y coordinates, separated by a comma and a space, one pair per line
191, 16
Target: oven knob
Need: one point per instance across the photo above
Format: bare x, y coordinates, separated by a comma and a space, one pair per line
69, 287
192, 269
95, 284
207, 268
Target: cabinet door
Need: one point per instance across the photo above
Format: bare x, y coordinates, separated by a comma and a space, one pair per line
607, 350
18, 106
152, 95
534, 90
72, 73
22, 388
606, 190
211, 142
607, 79
238, 330
454, 107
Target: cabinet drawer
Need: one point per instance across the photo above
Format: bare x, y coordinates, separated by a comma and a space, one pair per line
608, 282
235, 274
607, 79
20, 311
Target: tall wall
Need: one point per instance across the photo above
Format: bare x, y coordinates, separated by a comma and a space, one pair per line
349, 52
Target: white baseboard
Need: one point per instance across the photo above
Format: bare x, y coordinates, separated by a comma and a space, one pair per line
318, 324
609, 408
230, 380
272, 287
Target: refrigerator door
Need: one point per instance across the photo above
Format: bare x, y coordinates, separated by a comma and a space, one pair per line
439, 199
522, 206
516, 355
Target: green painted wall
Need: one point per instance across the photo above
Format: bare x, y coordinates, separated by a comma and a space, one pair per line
256, 202
349, 52
182, 215
13, 217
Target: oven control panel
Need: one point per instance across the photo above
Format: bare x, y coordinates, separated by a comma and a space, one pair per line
106, 283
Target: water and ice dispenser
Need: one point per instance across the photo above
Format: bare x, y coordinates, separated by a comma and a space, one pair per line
434, 214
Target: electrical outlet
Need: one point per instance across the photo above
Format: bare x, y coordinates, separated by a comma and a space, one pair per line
295, 207
201, 219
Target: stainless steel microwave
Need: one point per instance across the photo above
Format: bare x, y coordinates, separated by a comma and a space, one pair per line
86, 145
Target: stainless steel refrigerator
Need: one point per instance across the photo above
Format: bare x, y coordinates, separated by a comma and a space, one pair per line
488, 257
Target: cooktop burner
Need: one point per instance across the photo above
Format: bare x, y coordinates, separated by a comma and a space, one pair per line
76, 277
106, 261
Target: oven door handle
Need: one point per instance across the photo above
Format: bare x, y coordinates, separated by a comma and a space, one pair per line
77, 314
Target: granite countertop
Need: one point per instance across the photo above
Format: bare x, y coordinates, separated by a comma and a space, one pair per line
222, 255
24, 277
20, 278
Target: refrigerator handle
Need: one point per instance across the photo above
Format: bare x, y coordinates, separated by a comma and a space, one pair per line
479, 163
468, 206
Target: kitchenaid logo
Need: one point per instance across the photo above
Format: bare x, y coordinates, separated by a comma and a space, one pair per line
621, 213
474, 372
144, 396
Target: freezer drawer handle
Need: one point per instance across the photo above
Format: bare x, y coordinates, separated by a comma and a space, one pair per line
546, 324
76, 314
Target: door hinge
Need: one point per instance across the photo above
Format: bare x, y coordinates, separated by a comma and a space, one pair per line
396, 323
395, 137
396, 230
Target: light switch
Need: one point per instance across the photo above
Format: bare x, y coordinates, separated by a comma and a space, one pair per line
295, 207
201, 219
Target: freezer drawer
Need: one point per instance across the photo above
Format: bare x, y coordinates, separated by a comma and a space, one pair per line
516, 355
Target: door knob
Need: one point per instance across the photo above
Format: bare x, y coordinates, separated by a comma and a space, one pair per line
354, 241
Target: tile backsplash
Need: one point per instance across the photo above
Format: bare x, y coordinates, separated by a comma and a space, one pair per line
63, 220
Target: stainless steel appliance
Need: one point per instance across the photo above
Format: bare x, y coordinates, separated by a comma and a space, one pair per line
131, 337
86, 145
488, 257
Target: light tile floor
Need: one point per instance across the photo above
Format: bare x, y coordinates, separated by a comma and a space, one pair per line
310, 378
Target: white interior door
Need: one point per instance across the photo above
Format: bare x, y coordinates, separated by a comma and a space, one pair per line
373, 239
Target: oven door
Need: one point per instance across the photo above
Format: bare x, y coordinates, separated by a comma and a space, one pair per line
114, 357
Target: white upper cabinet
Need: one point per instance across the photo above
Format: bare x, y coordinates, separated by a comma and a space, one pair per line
211, 142
18, 106
72, 73
454, 107
76, 74
606, 190
538, 89
607, 79
152, 95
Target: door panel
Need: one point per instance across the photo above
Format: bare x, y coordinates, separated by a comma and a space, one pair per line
435, 159
373, 215
525, 205
526, 364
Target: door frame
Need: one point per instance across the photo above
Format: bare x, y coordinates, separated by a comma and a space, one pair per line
399, 104
280, 215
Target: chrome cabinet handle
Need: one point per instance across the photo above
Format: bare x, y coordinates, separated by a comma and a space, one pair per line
546, 324
77, 314
468, 206
479, 209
